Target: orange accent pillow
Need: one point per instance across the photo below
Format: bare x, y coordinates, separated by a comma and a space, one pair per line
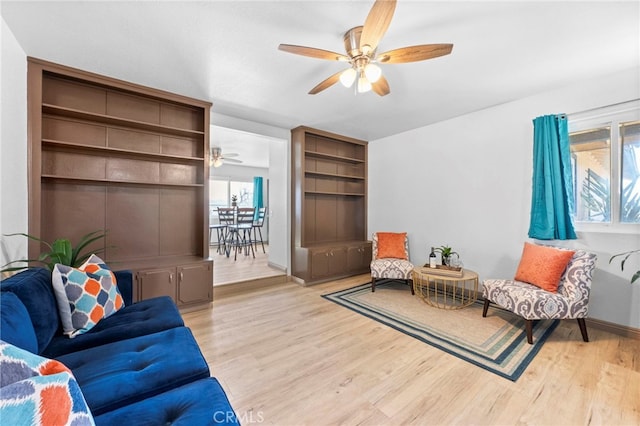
543, 266
391, 244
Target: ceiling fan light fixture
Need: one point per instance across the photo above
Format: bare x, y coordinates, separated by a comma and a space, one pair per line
217, 162
372, 72
347, 77
361, 44
363, 84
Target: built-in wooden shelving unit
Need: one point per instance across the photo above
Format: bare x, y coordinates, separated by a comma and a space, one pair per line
329, 200
110, 155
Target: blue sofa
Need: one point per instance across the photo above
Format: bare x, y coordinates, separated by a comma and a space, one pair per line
140, 365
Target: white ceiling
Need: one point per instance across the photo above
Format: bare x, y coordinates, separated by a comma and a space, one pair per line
251, 149
226, 52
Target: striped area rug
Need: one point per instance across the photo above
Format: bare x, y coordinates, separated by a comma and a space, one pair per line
497, 343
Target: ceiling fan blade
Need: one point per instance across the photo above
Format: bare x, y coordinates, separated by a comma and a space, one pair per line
325, 84
231, 160
376, 25
381, 87
414, 53
233, 154
313, 52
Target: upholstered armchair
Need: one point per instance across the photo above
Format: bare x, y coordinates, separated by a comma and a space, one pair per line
390, 254
531, 302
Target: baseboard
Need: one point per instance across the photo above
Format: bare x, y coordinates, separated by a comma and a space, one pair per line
246, 286
276, 266
620, 330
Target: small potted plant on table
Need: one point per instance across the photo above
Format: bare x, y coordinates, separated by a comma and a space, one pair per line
446, 252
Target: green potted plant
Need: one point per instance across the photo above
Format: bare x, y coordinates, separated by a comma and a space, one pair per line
60, 251
626, 255
445, 252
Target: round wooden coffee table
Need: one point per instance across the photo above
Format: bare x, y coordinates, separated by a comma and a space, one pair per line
443, 291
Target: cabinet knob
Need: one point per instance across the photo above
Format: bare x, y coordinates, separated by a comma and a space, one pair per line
170, 277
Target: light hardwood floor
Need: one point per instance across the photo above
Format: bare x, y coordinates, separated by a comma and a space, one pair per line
286, 356
226, 270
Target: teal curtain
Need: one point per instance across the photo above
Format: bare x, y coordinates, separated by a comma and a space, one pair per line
552, 195
258, 199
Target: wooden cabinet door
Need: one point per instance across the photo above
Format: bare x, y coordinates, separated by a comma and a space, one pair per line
195, 283
157, 282
359, 258
337, 260
354, 258
319, 263
366, 257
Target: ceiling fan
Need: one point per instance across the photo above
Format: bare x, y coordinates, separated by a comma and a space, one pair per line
360, 44
217, 159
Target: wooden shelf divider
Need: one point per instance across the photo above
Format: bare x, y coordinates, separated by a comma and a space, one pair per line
329, 201
129, 160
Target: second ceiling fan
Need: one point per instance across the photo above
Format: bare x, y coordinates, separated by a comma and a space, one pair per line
360, 44
216, 158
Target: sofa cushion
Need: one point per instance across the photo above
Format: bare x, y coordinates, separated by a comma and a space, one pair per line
15, 323
131, 370
85, 295
199, 403
33, 287
145, 317
39, 391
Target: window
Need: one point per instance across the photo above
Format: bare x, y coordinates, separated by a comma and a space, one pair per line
219, 193
605, 155
630, 172
244, 192
222, 189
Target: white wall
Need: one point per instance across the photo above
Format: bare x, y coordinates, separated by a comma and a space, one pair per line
279, 220
13, 147
466, 182
279, 229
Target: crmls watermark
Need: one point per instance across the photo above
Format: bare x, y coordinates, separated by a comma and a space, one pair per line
243, 418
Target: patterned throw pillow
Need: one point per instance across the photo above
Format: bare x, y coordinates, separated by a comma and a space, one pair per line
39, 391
85, 295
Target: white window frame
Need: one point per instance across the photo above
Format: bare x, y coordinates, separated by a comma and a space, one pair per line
608, 116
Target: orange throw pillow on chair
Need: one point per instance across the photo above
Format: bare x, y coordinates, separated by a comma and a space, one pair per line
391, 244
543, 266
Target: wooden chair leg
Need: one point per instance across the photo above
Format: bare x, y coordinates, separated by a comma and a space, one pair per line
373, 284
485, 308
583, 329
529, 326
410, 283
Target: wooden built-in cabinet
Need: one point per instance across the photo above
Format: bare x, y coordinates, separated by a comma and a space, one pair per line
133, 161
329, 200
183, 282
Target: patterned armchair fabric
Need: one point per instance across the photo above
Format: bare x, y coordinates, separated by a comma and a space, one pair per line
532, 303
389, 268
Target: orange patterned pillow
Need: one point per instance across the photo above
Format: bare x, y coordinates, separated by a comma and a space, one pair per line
391, 244
543, 266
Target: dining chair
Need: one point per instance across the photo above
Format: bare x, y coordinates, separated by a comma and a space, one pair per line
220, 229
227, 218
239, 233
257, 227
